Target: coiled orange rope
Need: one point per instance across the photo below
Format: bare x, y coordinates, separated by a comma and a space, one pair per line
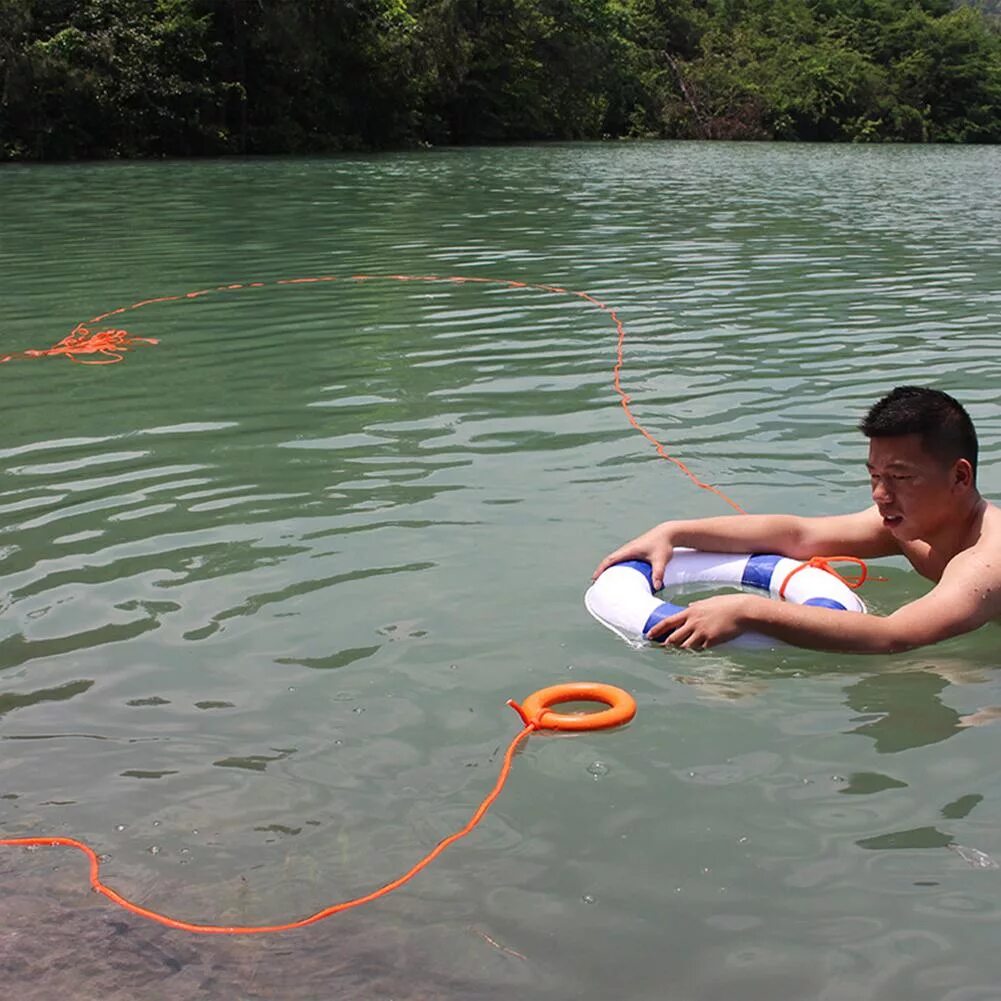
534, 719
110, 343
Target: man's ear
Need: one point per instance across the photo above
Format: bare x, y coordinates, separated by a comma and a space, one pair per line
962, 474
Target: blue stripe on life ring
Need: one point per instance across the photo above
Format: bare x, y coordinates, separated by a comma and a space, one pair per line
662, 611
825, 603
759, 570
644, 568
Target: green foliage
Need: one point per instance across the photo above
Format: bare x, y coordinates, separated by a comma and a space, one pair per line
517, 69
103, 78
99, 78
315, 75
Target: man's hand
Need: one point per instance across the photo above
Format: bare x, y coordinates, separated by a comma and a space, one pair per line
653, 547
705, 623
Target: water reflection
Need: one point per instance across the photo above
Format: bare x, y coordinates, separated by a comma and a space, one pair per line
928, 837
21, 700
902, 710
899, 710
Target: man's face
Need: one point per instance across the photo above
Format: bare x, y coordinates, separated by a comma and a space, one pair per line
916, 494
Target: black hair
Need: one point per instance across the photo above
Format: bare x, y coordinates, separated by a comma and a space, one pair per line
942, 422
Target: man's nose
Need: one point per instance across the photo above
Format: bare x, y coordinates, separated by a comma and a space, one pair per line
880, 493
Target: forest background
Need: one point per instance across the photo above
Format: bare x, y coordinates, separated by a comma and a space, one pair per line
124, 78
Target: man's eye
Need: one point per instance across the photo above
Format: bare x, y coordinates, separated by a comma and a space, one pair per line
890, 478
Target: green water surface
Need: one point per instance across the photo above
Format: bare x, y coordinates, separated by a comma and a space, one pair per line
266, 585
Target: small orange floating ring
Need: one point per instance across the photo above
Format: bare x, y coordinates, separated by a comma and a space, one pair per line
536, 710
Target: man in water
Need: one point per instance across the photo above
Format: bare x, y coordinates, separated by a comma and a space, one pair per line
922, 468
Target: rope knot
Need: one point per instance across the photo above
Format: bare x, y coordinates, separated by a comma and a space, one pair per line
531, 724
825, 563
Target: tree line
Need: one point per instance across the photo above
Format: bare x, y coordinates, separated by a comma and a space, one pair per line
107, 78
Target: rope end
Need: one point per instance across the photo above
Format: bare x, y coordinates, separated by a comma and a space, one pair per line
521, 712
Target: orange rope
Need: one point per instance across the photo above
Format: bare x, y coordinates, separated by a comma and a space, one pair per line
824, 563
80, 341
204, 929
113, 343
625, 400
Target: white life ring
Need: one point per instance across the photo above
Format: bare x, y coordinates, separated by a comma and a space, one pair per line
623, 599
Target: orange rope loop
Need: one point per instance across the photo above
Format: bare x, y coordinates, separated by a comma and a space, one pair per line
824, 563
206, 929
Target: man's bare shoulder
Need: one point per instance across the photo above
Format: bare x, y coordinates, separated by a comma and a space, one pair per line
979, 562
972, 578
992, 516
987, 543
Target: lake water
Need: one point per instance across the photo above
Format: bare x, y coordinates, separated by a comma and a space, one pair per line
267, 584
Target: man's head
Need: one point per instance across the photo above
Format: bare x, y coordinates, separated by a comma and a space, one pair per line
942, 424
922, 458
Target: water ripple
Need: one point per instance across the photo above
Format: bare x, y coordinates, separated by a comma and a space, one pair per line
290, 561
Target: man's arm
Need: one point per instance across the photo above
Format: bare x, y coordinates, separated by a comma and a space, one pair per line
860, 534
967, 597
